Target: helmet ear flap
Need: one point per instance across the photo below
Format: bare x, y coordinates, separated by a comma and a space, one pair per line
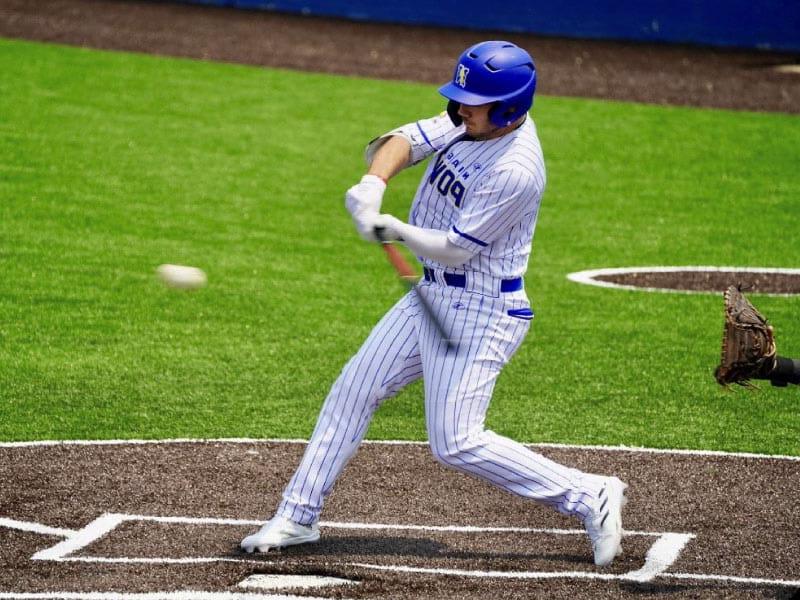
452, 112
503, 113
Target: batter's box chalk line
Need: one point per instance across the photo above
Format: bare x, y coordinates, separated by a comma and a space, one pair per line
661, 555
182, 595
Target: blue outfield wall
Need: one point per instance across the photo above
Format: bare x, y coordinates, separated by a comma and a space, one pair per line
765, 24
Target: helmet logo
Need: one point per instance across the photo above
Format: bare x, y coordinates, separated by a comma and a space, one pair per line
461, 75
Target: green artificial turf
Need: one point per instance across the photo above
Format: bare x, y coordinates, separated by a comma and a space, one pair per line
113, 163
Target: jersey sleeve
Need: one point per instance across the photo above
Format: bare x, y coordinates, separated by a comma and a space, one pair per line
425, 136
502, 200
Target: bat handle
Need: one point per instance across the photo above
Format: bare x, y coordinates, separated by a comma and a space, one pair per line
380, 234
408, 276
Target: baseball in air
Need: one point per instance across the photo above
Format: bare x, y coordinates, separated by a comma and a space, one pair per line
180, 277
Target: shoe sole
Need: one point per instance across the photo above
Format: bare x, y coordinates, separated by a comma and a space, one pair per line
264, 548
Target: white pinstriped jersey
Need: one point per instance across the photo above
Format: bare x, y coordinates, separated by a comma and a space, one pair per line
486, 194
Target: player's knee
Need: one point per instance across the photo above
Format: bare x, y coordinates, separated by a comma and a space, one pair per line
451, 452
350, 385
443, 455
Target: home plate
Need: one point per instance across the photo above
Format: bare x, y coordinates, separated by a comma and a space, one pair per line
791, 68
282, 582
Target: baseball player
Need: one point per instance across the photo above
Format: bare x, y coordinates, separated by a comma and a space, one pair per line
471, 224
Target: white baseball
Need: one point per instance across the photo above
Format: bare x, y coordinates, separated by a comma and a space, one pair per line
181, 277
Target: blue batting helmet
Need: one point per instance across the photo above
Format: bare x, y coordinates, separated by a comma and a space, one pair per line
496, 71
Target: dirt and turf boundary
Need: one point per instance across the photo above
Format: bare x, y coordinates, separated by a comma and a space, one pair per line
661, 74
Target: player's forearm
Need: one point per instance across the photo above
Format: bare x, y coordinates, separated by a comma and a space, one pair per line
432, 244
393, 155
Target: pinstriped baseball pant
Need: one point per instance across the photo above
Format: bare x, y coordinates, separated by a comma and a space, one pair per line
403, 347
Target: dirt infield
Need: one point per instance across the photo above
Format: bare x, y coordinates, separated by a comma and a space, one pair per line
753, 280
166, 518
640, 72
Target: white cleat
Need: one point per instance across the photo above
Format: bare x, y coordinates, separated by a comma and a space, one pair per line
279, 532
604, 523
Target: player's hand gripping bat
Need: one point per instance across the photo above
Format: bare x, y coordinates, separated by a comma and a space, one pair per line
407, 274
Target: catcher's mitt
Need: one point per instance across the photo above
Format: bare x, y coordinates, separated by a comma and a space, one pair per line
748, 343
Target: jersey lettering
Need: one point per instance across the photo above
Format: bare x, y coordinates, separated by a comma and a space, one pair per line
437, 169
447, 182
457, 191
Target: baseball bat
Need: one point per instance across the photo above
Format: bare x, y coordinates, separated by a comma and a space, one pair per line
408, 276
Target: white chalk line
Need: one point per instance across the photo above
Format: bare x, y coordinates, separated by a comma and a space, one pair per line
621, 448
80, 539
107, 522
181, 595
35, 527
572, 575
488, 574
283, 582
660, 557
734, 579
124, 560
588, 277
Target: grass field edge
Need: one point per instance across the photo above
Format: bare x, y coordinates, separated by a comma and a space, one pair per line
632, 449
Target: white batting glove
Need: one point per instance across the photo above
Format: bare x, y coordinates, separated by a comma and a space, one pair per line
365, 196
390, 227
365, 224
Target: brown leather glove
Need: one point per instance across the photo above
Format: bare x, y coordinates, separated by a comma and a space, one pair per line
748, 343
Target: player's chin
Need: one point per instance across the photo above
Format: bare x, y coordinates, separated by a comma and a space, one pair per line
475, 131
